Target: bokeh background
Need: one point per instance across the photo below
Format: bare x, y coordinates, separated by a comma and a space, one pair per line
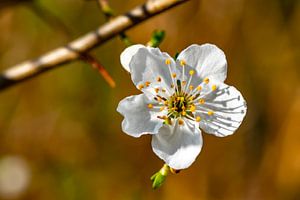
60, 135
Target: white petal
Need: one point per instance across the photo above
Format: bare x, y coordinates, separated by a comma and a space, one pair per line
178, 145
127, 54
207, 59
150, 63
138, 118
229, 109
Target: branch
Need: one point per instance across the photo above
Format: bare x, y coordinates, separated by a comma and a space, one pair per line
74, 49
109, 15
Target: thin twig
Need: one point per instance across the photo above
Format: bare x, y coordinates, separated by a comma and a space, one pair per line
74, 49
97, 65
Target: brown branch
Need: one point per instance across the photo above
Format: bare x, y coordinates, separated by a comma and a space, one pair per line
109, 15
55, 23
74, 49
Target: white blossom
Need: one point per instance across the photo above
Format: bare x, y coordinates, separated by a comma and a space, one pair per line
179, 97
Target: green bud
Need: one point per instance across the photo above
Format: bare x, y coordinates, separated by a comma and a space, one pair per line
159, 177
156, 38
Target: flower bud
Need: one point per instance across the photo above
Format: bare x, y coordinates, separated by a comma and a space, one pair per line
159, 177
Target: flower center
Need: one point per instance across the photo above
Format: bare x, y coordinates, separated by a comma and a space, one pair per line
185, 101
180, 104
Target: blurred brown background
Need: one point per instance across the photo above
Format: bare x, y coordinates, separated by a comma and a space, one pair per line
60, 135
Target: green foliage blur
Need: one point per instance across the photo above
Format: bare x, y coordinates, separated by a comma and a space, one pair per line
63, 130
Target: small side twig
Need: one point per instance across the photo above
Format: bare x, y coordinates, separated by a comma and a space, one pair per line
97, 65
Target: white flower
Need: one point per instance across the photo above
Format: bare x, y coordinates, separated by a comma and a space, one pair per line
179, 97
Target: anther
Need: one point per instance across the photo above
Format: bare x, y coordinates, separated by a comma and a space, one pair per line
174, 75
183, 83
206, 80
183, 113
156, 90
182, 63
201, 101
192, 108
198, 119
158, 79
180, 122
172, 85
150, 106
157, 99
163, 90
162, 117
162, 108
141, 86
168, 61
192, 72
191, 87
213, 88
210, 113
147, 83
199, 88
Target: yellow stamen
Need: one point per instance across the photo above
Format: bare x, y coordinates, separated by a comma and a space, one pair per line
182, 63
206, 80
162, 117
192, 72
183, 113
198, 119
156, 90
182, 98
183, 83
214, 87
174, 75
199, 88
162, 108
163, 90
191, 98
201, 101
192, 108
172, 85
147, 83
191, 87
168, 61
158, 79
180, 122
210, 113
141, 86
150, 106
